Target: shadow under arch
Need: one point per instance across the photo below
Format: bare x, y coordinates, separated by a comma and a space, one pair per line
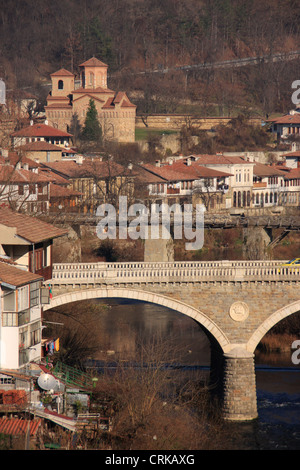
273, 319
144, 296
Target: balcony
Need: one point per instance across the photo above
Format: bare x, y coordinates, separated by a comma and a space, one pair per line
173, 190
259, 185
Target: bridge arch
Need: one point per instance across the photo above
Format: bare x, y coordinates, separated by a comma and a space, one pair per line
144, 296
275, 318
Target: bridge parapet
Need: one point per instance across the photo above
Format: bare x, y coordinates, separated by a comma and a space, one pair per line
140, 272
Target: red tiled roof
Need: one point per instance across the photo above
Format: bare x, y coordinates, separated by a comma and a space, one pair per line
198, 170
180, 172
88, 168
286, 119
29, 228
60, 191
93, 62
260, 169
41, 146
16, 426
90, 94
15, 276
291, 173
14, 157
220, 160
61, 73
292, 154
40, 130
10, 174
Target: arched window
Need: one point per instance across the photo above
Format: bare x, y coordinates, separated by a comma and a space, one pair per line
234, 199
244, 198
257, 199
248, 198
266, 198
60, 84
91, 82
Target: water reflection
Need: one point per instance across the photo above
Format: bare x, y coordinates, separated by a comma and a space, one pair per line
126, 322
278, 381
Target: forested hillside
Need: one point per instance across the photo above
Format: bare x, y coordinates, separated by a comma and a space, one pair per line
132, 36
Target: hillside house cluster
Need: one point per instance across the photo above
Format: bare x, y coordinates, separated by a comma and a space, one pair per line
80, 183
221, 182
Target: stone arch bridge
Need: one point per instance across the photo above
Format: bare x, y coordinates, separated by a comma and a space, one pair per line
235, 302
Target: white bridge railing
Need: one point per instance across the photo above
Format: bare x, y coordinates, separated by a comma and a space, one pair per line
137, 272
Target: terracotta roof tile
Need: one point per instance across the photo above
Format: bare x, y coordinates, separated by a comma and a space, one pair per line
40, 130
15, 276
60, 191
93, 62
62, 72
286, 119
17, 426
10, 174
260, 169
29, 228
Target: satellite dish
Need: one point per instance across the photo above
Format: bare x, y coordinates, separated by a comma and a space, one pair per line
47, 382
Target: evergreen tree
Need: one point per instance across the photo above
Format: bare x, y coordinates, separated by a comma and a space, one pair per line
92, 130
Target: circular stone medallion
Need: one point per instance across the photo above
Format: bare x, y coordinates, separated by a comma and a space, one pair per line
239, 311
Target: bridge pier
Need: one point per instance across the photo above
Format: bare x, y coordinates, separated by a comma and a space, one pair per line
239, 386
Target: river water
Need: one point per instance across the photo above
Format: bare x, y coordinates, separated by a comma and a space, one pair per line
277, 378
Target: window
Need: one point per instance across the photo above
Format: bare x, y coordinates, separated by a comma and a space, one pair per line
20, 190
23, 298
35, 333
60, 84
32, 189
34, 294
9, 300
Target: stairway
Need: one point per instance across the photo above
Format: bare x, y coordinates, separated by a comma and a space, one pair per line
72, 376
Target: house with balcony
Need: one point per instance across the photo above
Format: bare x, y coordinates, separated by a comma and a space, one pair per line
28, 242
187, 182
268, 185
285, 126
23, 190
42, 140
239, 180
94, 181
21, 316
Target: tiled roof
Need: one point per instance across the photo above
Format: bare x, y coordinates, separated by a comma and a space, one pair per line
198, 170
260, 169
88, 169
93, 62
15, 276
16, 426
60, 191
41, 146
29, 228
14, 158
144, 176
180, 172
286, 119
40, 130
292, 154
291, 173
62, 72
10, 174
221, 160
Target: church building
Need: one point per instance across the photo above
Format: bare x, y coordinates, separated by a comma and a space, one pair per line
116, 113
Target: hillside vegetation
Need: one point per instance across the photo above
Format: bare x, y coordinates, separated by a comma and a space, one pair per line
133, 36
